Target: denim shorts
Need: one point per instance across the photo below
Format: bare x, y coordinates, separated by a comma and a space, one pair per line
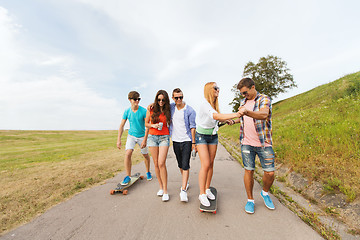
158, 140
206, 139
182, 152
131, 141
266, 156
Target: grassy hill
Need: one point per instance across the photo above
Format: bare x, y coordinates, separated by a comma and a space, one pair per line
317, 134
39, 169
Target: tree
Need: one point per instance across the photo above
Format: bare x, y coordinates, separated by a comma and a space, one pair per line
271, 77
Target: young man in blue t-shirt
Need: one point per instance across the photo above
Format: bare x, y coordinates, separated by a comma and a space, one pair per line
136, 135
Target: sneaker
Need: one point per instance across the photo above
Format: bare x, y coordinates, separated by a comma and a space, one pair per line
204, 200
210, 195
267, 200
148, 176
126, 181
165, 197
183, 196
250, 207
160, 193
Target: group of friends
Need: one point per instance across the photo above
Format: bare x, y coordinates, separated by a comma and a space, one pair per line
153, 126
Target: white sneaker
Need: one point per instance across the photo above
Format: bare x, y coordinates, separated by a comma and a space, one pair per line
183, 196
160, 192
204, 200
165, 197
210, 195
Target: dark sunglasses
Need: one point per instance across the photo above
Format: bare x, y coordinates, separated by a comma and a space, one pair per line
161, 100
244, 93
136, 99
181, 97
216, 88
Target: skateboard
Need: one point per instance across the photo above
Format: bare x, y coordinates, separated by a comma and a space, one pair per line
213, 203
123, 189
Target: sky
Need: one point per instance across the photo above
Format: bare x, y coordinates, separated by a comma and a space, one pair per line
69, 64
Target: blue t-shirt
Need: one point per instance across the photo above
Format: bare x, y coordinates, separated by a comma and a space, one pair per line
137, 121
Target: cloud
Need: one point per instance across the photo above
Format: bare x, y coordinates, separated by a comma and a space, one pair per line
43, 90
194, 58
9, 57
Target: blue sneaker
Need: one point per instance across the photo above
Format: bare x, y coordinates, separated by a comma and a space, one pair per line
267, 200
250, 207
148, 176
126, 181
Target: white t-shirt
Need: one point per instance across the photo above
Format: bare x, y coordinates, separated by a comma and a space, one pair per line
205, 118
179, 130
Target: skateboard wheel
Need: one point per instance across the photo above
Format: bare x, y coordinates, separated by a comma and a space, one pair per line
214, 212
201, 211
125, 192
112, 192
141, 177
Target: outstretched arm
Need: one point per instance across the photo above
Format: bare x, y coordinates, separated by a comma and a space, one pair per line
262, 114
222, 117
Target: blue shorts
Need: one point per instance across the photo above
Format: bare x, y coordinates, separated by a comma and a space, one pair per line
266, 156
206, 139
158, 140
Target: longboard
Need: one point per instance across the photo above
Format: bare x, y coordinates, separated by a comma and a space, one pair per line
123, 189
213, 203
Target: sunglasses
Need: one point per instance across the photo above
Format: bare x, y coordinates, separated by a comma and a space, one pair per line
136, 99
216, 88
181, 97
244, 93
161, 100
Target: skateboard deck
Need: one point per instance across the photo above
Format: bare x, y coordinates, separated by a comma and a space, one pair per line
213, 203
124, 188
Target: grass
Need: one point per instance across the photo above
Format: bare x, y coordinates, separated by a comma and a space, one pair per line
42, 168
317, 134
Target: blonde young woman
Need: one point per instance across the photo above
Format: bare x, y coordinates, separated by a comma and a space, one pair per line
158, 121
207, 139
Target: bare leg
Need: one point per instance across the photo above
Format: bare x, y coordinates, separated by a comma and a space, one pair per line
127, 161
163, 150
212, 154
185, 178
205, 165
268, 179
155, 153
249, 183
147, 162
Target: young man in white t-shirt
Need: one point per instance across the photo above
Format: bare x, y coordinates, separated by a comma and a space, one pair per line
182, 132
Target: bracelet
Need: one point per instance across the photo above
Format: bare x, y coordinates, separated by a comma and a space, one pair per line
193, 143
233, 121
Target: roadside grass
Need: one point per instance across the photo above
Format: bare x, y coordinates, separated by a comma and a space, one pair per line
317, 134
42, 168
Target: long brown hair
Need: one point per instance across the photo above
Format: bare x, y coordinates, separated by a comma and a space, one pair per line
157, 110
209, 96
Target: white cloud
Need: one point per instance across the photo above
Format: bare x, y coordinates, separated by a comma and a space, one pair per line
9, 57
43, 91
195, 57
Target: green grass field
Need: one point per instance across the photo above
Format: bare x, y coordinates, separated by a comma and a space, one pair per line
42, 168
317, 134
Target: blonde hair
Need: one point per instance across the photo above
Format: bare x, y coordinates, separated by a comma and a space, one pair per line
209, 96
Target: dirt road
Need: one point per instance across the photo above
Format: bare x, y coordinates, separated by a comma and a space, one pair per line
95, 214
